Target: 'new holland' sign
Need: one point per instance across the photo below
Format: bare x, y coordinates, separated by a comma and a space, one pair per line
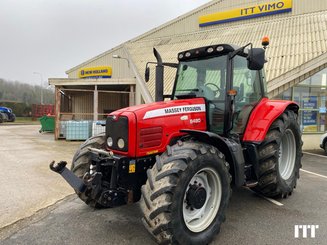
259, 10
95, 72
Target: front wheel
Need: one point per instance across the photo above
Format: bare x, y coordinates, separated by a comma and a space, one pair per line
82, 161
280, 157
186, 194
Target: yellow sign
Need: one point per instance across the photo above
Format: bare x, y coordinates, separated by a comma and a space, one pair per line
255, 11
131, 168
95, 72
152, 152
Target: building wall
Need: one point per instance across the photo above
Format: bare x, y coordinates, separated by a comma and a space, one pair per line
311, 141
82, 103
112, 102
120, 67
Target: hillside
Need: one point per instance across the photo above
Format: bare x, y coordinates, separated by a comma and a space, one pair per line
20, 96
25, 93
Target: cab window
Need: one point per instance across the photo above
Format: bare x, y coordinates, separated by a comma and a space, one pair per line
247, 83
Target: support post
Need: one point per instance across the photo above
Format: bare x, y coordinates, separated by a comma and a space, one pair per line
95, 103
131, 96
138, 95
57, 112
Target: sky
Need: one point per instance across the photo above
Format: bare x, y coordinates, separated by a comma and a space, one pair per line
41, 39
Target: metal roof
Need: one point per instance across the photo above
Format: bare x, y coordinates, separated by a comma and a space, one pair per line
188, 23
294, 41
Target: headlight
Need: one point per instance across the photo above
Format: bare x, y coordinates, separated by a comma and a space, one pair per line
109, 141
121, 143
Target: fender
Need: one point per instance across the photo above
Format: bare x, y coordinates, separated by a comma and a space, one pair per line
230, 148
263, 115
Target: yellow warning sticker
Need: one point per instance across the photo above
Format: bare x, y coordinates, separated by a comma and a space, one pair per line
131, 167
152, 152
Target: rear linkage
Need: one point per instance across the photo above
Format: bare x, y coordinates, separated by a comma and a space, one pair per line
92, 184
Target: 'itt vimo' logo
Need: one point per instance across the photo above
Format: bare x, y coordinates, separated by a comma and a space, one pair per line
305, 230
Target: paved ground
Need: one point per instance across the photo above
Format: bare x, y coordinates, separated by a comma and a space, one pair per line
317, 151
250, 218
27, 184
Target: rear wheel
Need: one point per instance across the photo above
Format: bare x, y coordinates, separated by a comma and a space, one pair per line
280, 157
186, 195
325, 147
82, 160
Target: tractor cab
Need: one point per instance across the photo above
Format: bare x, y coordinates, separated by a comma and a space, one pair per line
227, 78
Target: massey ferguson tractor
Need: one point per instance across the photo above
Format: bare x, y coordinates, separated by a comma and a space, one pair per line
182, 156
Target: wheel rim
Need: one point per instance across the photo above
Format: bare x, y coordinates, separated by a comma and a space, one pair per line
198, 220
287, 155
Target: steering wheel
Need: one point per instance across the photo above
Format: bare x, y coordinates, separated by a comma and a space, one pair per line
217, 91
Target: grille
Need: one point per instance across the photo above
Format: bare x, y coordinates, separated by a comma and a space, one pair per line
116, 129
150, 137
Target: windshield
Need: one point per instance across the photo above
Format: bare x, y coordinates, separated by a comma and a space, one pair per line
202, 78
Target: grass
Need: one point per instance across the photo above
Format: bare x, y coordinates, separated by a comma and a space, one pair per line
26, 120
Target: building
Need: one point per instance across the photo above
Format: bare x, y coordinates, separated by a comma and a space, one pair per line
296, 68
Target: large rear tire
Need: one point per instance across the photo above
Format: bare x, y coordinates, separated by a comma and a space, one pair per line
280, 157
82, 160
186, 195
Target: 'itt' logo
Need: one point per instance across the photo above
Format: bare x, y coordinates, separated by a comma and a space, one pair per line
305, 229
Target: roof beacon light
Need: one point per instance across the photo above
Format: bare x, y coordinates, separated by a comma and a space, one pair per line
210, 50
265, 42
220, 48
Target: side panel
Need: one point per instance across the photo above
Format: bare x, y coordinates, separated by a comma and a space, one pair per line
263, 115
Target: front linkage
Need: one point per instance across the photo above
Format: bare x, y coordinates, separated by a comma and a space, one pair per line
92, 184
109, 181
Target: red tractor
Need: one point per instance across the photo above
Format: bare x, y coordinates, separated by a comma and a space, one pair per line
181, 157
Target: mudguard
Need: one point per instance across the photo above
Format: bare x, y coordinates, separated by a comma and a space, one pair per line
263, 115
230, 148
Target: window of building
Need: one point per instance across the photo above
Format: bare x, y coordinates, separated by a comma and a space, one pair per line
311, 95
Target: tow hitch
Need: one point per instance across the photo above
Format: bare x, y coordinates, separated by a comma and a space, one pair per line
75, 182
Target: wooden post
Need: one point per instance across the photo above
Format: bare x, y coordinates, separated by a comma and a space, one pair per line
57, 112
138, 96
95, 103
131, 96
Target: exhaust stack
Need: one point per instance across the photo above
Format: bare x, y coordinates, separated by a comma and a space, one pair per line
159, 77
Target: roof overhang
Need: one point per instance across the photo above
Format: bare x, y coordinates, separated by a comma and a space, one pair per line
90, 81
283, 82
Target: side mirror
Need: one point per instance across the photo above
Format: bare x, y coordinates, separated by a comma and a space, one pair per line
256, 58
147, 74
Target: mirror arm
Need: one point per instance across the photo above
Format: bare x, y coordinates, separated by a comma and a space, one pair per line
237, 51
173, 65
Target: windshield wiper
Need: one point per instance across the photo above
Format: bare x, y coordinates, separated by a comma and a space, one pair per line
185, 96
188, 90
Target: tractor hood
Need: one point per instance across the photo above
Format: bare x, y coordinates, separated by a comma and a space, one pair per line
165, 108
151, 127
